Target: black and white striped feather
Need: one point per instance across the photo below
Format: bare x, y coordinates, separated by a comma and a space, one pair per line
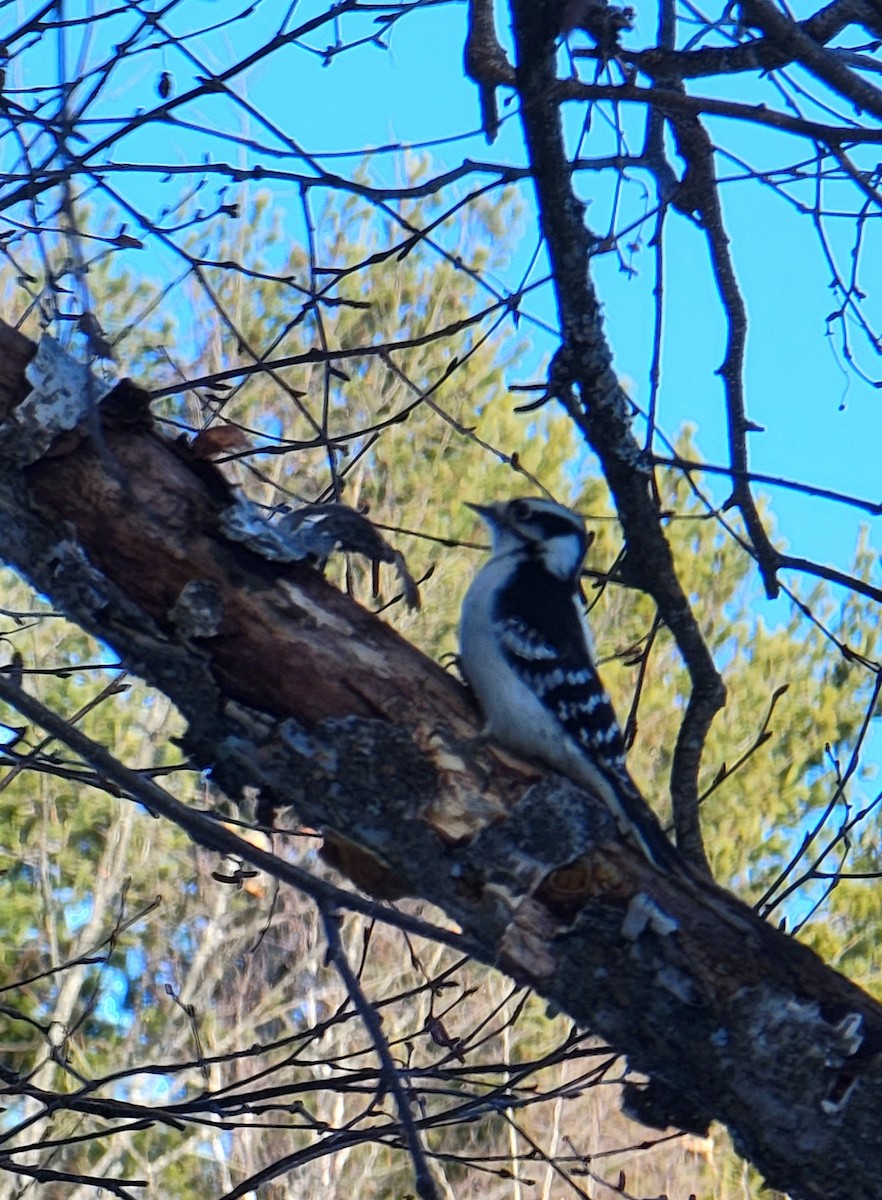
526, 650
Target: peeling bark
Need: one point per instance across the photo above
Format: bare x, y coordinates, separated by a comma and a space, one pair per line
291, 687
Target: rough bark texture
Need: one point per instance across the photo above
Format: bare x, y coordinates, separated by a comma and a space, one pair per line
291, 687
583, 379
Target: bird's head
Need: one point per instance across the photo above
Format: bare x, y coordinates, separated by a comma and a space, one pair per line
539, 529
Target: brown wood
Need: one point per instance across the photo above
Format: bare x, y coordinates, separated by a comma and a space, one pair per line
291, 687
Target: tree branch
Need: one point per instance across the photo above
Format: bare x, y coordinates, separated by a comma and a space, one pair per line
698, 194
671, 102
485, 62
288, 686
785, 33
583, 379
760, 54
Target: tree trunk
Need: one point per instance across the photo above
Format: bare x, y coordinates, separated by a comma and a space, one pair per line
290, 687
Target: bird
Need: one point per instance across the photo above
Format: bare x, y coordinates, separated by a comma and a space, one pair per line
526, 652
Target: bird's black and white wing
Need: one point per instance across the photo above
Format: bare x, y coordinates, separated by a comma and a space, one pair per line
525, 649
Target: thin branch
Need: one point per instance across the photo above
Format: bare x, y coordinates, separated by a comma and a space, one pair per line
758, 54
874, 508
698, 193
672, 103
852, 582
786, 34
390, 1075
211, 833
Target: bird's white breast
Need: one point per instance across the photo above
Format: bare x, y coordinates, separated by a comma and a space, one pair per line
515, 716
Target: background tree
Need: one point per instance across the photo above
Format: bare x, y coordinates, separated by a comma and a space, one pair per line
353, 336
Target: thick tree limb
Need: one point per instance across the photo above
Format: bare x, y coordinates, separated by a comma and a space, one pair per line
485, 62
583, 379
798, 44
289, 686
760, 54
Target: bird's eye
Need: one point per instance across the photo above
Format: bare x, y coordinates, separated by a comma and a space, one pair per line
520, 510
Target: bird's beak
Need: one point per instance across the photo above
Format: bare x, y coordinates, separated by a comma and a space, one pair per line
488, 513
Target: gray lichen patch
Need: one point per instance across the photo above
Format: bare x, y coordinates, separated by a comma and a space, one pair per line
64, 392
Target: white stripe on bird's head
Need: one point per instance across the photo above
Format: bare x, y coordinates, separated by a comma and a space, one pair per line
541, 529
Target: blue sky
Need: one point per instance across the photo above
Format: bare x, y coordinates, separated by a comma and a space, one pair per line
822, 424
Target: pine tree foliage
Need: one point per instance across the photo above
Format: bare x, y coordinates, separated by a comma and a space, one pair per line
182, 975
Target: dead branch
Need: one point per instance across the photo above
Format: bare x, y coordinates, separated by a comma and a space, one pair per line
291, 687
